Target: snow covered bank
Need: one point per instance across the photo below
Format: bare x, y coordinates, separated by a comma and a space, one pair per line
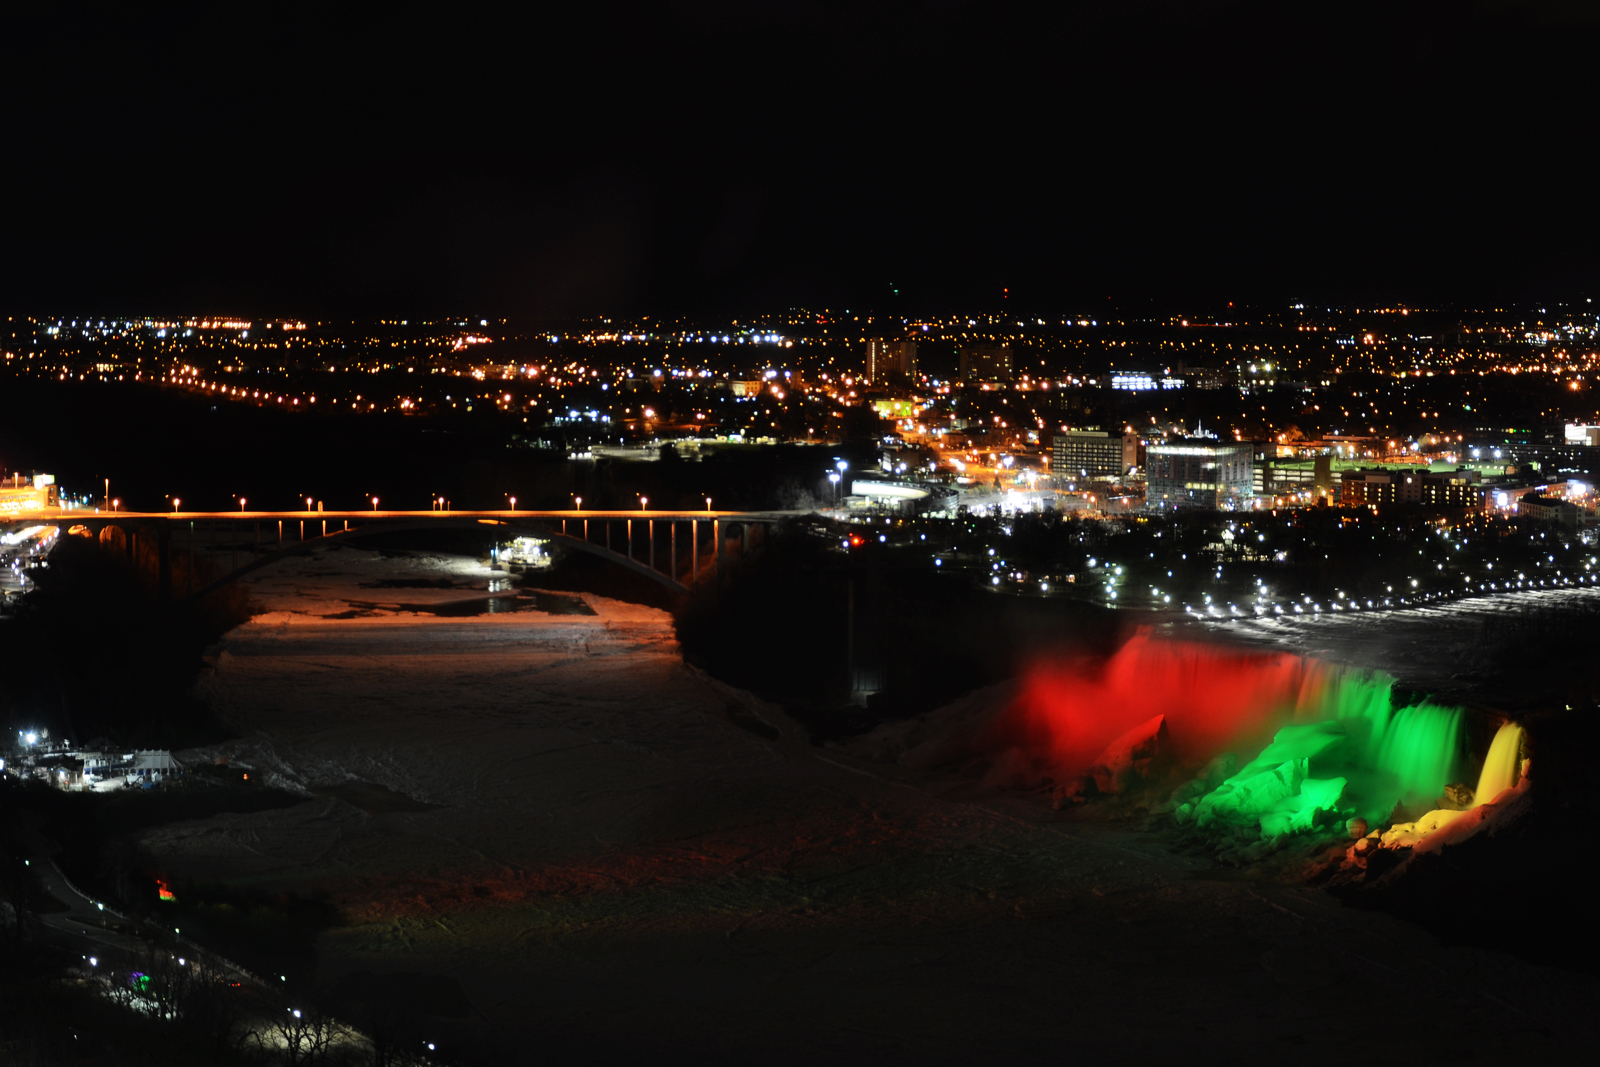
611, 852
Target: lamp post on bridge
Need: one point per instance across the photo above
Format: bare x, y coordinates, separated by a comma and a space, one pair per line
694, 532
650, 528
374, 504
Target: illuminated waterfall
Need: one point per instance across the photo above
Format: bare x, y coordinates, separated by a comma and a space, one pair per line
1500, 767
1349, 752
1421, 748
1330, 742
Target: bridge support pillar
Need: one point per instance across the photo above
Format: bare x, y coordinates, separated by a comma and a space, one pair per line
694, 550
721, 547
164, 564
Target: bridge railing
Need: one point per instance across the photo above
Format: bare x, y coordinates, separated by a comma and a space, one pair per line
649, 542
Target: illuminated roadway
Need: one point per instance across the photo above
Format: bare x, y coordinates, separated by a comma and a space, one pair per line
58, 516
351, 524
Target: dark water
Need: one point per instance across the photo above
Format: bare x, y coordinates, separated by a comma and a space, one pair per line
548, 603
407, 583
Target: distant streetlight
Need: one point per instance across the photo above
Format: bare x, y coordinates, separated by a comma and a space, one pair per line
241, 503
308, 505
708, 503
175, 503
513, 503
115, 504
577, 503
374, 503
643, 501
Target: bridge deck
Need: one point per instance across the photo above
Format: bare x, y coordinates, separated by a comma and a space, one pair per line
59, 515
646, 526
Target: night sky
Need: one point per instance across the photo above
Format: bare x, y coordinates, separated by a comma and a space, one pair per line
285, 159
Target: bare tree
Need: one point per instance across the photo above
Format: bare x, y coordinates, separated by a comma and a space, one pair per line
303, 1033
213, 1001
396, 1039
122, 983
19, 890
168, 981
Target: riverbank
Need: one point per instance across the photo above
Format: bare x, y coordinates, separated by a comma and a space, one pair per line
606, 851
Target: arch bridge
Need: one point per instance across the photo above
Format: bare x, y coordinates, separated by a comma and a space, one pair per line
678, 549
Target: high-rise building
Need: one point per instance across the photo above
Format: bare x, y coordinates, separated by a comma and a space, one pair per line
890, 357
1198, 471
1080, 455
986, 363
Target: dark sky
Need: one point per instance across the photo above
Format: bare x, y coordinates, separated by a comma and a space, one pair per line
696, 156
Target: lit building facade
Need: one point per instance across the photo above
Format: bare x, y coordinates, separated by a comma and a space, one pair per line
890, 357
1374, 486
36, 493
986, 363
1198, 472
1090, 454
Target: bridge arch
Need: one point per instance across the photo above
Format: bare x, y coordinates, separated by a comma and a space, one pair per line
535, 528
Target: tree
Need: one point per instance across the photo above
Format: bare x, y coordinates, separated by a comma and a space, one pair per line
211, 1001
19, 890
304, 1033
